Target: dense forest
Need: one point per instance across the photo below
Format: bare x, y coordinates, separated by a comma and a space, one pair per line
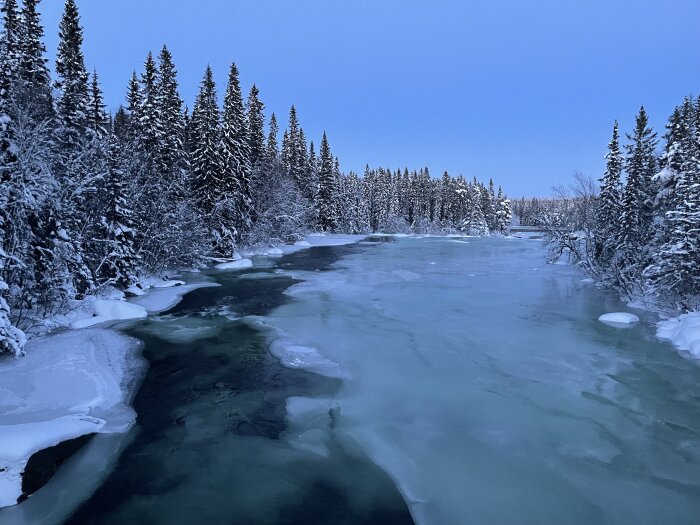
92, 199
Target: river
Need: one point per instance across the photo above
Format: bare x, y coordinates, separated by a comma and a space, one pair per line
460, 381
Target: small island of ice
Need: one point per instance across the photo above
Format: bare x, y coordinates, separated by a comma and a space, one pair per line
619, 319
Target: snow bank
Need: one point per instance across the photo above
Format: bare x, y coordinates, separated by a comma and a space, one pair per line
161, 299
19, 442
104, 310
235, 265
303, 244
683, 331
68, 385
619, 319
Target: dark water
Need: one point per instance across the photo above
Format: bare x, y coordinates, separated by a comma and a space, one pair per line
209, 445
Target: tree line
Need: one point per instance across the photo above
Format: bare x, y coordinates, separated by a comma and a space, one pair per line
638, 232
90, 198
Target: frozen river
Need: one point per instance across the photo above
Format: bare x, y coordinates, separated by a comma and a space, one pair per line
442, 381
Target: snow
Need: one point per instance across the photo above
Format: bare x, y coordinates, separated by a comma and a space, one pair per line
235, 265
683, 331
67, 385
587, 280
302, 244
104, 310
19, 442
162, 299
619, 319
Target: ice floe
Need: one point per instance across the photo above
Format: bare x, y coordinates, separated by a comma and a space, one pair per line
619, 319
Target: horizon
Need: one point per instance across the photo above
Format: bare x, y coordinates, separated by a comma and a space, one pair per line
541, 69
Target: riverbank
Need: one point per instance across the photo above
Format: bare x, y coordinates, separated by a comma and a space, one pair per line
80, 382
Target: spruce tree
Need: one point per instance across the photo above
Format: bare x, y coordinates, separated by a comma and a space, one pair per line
120, 264
327, 213
171, 156
609, 210
72, 78
638, 196
235, 154
97, 117
271, 149
34, 90
255, 123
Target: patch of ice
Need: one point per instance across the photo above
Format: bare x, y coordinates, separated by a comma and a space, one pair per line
274, 252
619, 319
305, 358
235, 265
587, 280
683, 331
168, 284
110, 310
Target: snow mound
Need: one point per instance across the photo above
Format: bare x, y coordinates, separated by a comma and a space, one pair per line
110, 310
618, 319
235, 265
304, 244
67, 385
683, 331
274, 251
587, 280
161, 299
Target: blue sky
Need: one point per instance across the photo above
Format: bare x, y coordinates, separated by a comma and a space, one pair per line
521, 91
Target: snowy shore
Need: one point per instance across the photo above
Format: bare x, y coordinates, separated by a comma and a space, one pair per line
81, 381
68, 385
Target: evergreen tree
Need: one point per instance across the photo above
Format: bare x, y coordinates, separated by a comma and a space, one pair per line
327, 214
271, 149
206, 160
639, 195
97, 117
34, 90
255, 123
235, 154
72, 78
609, 209
171, 157
120, 264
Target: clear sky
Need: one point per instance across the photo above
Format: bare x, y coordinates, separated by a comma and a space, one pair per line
524, 91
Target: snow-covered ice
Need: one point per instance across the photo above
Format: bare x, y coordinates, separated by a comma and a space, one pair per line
67, 385
472, 392
162, 299
683, 331
106, 310
619, 319
235, 265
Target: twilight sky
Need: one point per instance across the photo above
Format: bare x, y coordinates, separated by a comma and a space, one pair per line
521, 91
